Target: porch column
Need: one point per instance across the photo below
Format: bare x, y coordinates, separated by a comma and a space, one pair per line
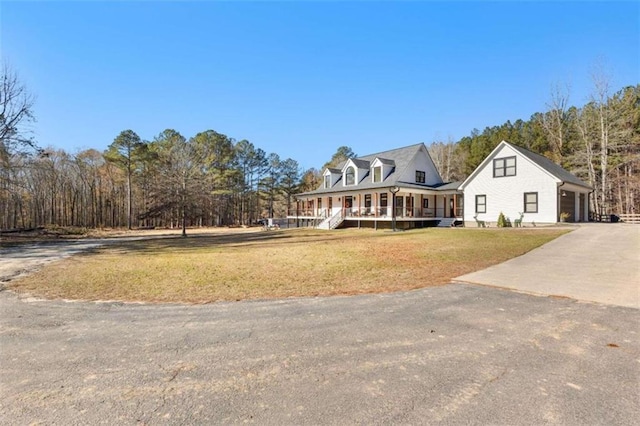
445, 206
455, 207
576, 207
375, 204
586, 207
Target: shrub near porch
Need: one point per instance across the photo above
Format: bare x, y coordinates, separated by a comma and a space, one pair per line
235, 266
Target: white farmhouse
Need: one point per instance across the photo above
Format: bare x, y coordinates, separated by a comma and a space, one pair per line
397, 188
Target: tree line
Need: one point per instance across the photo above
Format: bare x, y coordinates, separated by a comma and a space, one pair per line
171, 181
211, 179
599, 142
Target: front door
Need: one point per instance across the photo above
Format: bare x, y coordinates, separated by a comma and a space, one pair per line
348, 204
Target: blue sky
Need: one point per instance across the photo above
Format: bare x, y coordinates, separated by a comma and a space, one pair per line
302, 78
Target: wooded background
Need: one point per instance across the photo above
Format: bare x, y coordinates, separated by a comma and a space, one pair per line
211, 179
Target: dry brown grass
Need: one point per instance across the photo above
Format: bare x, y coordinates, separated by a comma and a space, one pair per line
249, 265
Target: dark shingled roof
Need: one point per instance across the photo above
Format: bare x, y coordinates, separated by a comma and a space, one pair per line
386, 161
400, 157
361, 164
550, 166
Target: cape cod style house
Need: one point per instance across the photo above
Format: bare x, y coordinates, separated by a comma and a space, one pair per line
524, 186
400, 188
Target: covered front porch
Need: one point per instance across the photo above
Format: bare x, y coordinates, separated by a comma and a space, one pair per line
409, 208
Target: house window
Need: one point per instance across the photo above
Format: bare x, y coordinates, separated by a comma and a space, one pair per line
327, 181
383, 200
420, 176
367, 200
531, 202
377, 174
350, 176
504, 167
481, 203
425, 203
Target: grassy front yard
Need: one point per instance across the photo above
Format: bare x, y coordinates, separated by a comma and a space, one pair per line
297, 262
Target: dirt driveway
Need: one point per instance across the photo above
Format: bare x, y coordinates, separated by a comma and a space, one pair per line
23, 259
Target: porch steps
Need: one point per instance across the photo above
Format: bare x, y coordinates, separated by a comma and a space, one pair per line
446, 222
331, 222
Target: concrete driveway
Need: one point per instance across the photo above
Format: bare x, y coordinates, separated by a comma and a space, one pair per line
456, 354
597, 263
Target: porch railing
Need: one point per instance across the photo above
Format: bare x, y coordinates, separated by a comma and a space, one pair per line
316, 213
382, 212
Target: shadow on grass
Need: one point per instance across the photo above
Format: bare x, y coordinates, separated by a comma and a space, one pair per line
194, 243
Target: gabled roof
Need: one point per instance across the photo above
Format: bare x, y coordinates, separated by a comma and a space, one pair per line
542, 162
333, 170
361, 164
551, 167
400, 157
386, 161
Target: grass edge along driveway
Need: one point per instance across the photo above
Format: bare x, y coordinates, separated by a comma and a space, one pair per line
286, 263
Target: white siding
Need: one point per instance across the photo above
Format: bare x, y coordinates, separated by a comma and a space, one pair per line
422, 162
506, 194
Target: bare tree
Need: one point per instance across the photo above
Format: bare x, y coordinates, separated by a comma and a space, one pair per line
584, 124
443, 155
556, 120
601, 81
16, 112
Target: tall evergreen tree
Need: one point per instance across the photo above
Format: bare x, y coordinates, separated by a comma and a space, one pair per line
123, 152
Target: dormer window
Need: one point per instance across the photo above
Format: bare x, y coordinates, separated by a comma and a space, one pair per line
380, 169
420, 176
327, 181
377, 174
350, 176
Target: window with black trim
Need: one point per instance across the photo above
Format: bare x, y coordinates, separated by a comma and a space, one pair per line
504, 167
531, 202
420, 176
350, 176
481, 203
